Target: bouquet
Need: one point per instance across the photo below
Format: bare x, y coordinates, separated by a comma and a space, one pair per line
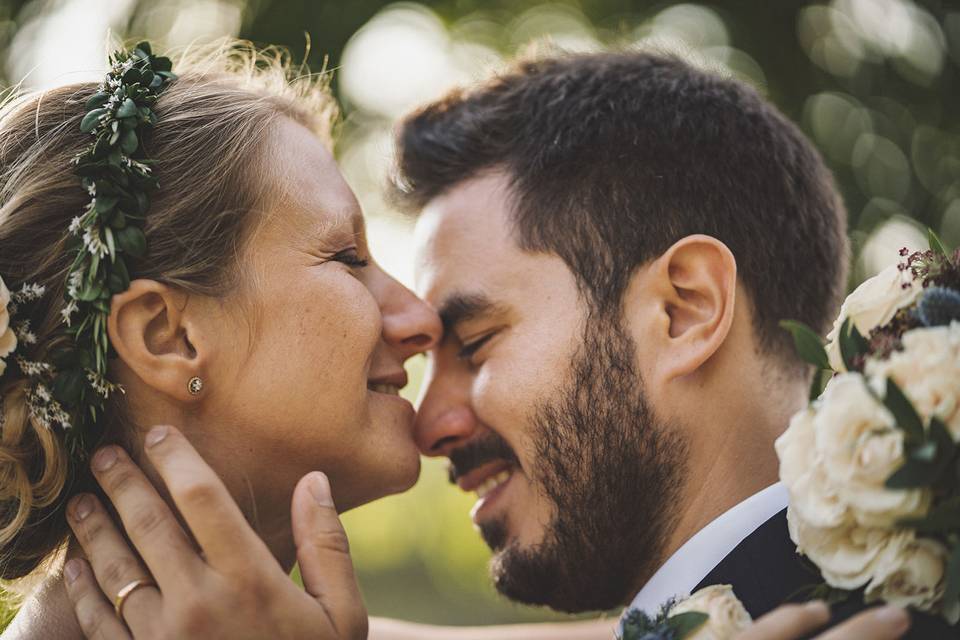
872, 465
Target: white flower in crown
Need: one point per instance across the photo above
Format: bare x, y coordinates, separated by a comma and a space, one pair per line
8, 338
871, 305
727, 618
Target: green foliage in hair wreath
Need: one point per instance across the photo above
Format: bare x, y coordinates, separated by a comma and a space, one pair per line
108, 234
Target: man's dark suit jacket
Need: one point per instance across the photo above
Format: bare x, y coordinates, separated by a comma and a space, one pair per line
766, 571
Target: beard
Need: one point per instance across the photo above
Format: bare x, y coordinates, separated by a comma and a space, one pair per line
611, 470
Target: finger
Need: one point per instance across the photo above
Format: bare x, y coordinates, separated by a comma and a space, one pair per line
114, 564
214, 519
788, 622
323, 554
884, 623
95, 615
147, 519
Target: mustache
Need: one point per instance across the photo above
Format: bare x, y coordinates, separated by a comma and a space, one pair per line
488, 448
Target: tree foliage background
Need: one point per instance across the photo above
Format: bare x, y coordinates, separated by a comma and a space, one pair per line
874, 83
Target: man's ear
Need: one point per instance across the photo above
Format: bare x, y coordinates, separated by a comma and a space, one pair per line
696, 282
151, 332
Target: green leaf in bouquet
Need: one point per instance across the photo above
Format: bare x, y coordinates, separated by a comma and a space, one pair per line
820, 379
903, 412
852, 344
935, 245
951, 597
687, 623
943, 518
808, 344
914, 474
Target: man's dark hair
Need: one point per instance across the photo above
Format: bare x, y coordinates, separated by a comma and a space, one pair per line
613, 157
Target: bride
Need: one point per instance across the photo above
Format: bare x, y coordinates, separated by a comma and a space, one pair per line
196, 258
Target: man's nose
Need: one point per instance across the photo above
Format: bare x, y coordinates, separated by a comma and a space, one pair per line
445, 419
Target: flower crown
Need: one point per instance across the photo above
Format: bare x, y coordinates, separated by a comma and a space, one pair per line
68, 383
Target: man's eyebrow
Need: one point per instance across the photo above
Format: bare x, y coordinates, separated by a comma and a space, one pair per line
461, 307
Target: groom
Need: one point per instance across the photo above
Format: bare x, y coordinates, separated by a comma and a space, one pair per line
611, 241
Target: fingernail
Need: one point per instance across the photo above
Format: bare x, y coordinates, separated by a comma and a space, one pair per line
155, 436
895, 617
818, 607
320, 488
82, 507
71, 570
105, 458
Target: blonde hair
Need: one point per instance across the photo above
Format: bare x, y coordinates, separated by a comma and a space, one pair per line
209, 148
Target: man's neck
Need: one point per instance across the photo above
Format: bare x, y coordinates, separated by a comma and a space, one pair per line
737, 464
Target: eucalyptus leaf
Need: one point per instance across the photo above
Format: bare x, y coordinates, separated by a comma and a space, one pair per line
127, 109
132, 241
90, 120
808, 344
129, 142
96, 100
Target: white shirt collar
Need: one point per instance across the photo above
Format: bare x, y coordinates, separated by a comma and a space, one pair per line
691, 563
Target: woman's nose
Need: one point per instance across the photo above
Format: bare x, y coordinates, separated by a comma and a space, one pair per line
410, 325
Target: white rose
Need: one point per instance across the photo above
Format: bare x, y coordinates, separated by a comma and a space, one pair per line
727, 615
811, 495
910, 573
845, 555
928, 372
8, 339
859, 446
872, 304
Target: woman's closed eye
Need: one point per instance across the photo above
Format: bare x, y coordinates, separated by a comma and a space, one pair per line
351, 258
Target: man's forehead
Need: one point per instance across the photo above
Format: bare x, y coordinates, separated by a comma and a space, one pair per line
463, 233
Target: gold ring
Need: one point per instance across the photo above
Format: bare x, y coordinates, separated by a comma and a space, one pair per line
124, 593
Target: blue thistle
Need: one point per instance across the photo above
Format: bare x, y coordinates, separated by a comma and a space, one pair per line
938, 306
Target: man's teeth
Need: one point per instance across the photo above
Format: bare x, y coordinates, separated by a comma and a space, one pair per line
492, 483
390, 389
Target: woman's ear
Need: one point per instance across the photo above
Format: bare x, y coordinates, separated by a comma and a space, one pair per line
695, 281
152, 333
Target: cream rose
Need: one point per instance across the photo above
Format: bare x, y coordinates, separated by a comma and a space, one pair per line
928, 371
845, 555
8, 339
727, 615
910, 572
811, 495
872, 304
859, 446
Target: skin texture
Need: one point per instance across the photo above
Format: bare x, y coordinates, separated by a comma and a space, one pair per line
236, 590
286, 359
685, 312
695, 352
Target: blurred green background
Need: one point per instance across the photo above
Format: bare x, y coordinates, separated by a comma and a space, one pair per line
874, 83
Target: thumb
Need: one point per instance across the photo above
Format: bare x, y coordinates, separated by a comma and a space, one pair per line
323, 553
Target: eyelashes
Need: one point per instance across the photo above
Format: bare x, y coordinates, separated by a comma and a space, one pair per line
351, 258
468, 350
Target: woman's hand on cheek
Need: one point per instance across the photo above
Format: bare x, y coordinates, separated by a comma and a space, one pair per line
232, 586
